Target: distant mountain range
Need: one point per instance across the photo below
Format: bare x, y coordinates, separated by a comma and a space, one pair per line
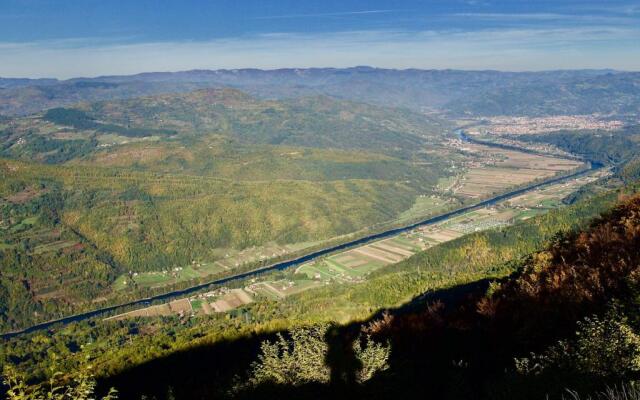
454, 92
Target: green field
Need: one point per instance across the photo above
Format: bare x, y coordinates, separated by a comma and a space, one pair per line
163, 278
53, 246
423, 207
404, 241
526, 214
279, 289
196, 304
446, 182
330, 269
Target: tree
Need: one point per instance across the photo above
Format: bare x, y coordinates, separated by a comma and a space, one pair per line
301, 359
82, 388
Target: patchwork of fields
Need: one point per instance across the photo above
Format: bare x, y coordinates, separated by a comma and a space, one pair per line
354, 265
500, 169
492, 171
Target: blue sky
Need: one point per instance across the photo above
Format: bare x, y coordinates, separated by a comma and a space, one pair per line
65, 38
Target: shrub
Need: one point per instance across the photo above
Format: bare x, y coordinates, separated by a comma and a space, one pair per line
629, 391
301, 359
606, 347
82, 388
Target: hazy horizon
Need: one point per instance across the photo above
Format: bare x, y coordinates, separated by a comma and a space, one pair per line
321, 68
69, 39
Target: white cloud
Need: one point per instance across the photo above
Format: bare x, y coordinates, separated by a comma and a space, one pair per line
333, 14
503, 49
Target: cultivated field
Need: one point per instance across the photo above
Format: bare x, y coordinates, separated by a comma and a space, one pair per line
180, 307
230, 300
156, 279
498, 170
353, 266
280, 289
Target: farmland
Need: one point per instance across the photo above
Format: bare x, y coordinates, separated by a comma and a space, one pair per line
353, 266
109, 202
155, 279
494, 170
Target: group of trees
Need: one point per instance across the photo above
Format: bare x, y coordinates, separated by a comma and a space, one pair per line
82, 121
82, 388
90, 225
114, 345
304, 358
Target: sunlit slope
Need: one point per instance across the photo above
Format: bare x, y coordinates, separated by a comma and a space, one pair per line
96, 191
313, 122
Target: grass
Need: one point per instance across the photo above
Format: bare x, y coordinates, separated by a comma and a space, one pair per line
30, 220
290, 287
446, 182
550, 203
267, 292
53, 246
161, 278
403, 242
316, 268
526, 214
422, 207
196, 304
24, 224
330, 269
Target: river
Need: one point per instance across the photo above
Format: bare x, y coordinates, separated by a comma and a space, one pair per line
319, 253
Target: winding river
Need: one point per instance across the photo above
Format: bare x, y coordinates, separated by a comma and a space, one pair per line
319, 253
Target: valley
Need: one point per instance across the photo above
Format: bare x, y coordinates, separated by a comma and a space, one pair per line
175, 231
354, 265
523, 168
127, 199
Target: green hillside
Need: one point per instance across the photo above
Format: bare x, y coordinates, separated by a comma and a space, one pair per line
430, 321
93, 193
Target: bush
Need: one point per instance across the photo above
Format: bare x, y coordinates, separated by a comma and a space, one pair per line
624, 392
605, 347
82, 388
301, 359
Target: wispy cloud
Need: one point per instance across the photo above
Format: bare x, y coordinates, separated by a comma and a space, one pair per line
504, 49
332, 14
567, 18
511, 16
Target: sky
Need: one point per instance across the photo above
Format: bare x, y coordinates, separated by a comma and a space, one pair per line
72, 38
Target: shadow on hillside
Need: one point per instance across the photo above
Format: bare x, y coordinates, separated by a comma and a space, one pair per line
205, 372
454, 343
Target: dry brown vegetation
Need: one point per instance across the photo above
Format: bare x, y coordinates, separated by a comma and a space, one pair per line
578, 275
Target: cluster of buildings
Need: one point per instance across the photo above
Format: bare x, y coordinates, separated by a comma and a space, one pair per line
531, 125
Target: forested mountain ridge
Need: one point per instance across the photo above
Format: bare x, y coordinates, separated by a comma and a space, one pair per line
310, 121
460, 92
62, 134
604, 94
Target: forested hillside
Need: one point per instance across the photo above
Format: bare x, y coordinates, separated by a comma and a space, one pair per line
179, 353
160, 183
606, 147
119, 188
309, 121
608, 93
460, 92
